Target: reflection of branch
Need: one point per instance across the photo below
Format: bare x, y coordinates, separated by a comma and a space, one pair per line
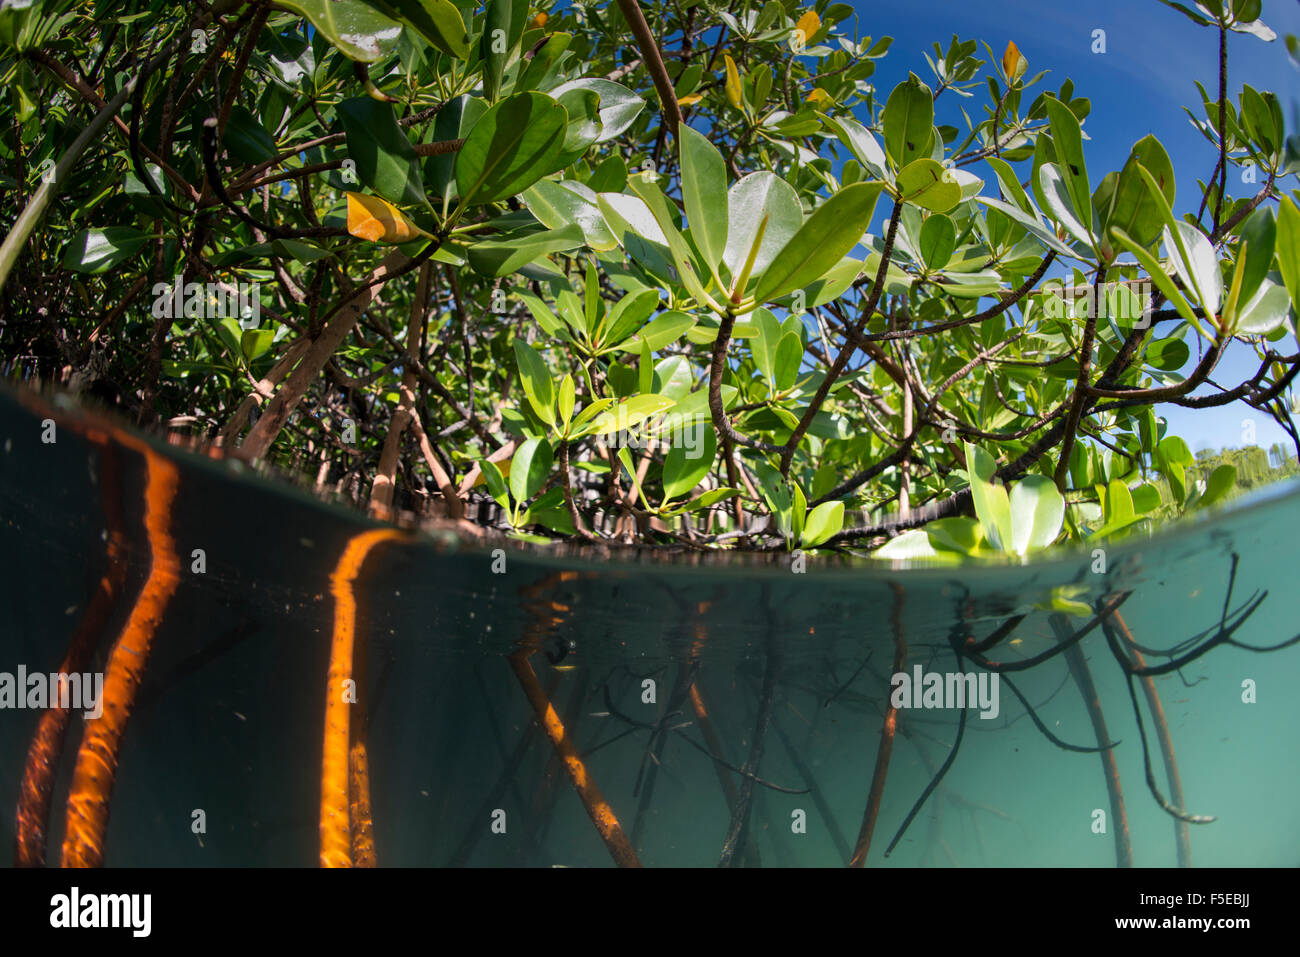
886, 748
653, 62
738, 834
101, 745
598, 809
1182, 836
46, 749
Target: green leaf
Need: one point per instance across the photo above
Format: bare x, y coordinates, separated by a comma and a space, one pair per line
558, 204
1265, 311
512, 146
619, 106
908, 121
1119, 504
672, 377
627, 317
1056, 195
798, 512
530, 468
1220, 482
355, 29
1167, 355
683, 261
539, 72
255, 342
587, 415
499, 34
1033, 224
625, 457
629, 219
960, 534
926, 183
1037, 511
909, 545
386, 160
536, 380
566, 399
1198, 267
99, 250
1288, 247
503, 257
629, 412
833, 229
1159, 277
1010, 184
751, 198
823, 522
938, 240
437, 21
1067, 141
990, 498
664, 329
1258, 237
246, 138
704, 193
711, 497
583, 110
1133, 208
685, 468
860, 142
785, 364
1146, 498
496, 483
1174, 450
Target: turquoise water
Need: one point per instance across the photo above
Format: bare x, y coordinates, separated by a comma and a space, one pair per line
229, 719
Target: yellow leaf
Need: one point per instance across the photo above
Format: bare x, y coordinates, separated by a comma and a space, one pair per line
1014, 63
502, 467
688, 100
806, 28
819, 97
733, 82
539, 21
379, 221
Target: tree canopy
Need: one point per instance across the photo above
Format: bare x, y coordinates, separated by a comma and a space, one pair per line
674, 274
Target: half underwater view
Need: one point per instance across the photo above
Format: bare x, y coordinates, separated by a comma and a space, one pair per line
516, 709
665, 433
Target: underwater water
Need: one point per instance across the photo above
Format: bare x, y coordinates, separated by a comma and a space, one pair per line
729, 710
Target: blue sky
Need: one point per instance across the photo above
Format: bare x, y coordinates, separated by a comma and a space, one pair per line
1138, 86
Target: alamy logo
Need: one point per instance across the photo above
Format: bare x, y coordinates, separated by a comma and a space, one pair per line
38, 691
102, 910
210, 300
934, 689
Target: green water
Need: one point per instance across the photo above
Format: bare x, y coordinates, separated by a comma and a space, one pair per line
229, 719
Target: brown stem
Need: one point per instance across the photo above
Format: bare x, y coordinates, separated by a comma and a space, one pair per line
841, 360
381, 492
654, 63
566, 484
260, 436
1081, 388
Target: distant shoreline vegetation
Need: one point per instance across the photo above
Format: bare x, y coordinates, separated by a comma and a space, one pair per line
618, 273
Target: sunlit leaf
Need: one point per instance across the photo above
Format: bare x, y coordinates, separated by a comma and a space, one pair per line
378, 220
